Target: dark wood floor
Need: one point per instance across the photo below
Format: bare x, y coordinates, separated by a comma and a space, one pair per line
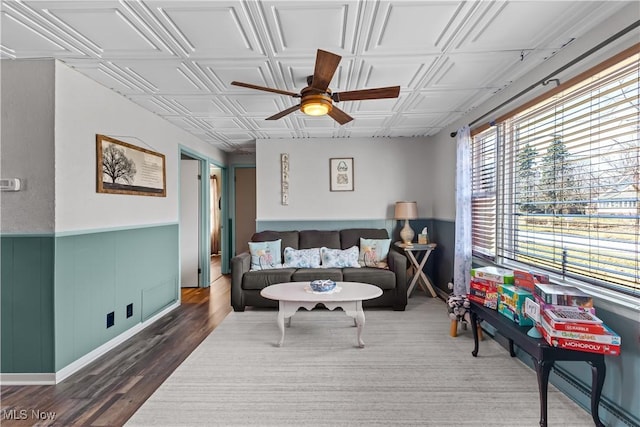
108, 391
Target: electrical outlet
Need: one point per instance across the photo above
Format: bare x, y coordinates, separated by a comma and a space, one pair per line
129, 310
110, 319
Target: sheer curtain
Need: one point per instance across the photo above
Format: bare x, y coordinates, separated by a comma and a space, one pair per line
462, 254
215, 215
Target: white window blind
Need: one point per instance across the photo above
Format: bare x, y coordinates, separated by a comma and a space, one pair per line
483, 201
568, 181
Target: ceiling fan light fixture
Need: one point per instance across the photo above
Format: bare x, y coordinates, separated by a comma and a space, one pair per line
316, 104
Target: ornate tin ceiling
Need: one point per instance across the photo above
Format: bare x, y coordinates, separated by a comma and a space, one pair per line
178, 58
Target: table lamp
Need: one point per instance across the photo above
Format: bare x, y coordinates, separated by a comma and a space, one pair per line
406, 211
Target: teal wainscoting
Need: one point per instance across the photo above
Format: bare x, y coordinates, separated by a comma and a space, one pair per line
443, 233
284, 225
27, 304
103, 272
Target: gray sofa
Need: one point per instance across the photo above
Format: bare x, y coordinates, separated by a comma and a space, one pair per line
246, 284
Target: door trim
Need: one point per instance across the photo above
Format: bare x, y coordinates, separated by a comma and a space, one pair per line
204, 249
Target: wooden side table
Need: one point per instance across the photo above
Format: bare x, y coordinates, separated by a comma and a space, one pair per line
419, 276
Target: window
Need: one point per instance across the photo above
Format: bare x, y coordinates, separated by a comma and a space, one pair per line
483, 202
556, 186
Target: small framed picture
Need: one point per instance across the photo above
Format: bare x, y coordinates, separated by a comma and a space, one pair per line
341, 174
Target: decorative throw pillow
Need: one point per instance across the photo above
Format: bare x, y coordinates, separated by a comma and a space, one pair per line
265, 255
301, 258
336, 258
374, 252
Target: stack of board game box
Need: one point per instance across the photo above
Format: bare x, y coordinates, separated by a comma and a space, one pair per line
568, 320
483, 288
511, 303
528, 279
511, 297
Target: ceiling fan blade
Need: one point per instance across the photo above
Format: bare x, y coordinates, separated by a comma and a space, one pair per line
340, 116
284, 113
266, 89
326, 66
377, 93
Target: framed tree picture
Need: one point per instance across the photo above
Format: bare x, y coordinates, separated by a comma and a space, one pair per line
341, 174
123, 168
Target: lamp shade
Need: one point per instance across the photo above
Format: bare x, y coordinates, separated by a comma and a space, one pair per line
406, 210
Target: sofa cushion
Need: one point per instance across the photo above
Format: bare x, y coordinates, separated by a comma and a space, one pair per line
265, 255
374, 253
384, 279
338, 258
302, 258
289, 238
351, 236
263, 278
319, 238
309, 274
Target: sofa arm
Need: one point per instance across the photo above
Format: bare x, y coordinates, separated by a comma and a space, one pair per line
240, 264
398, 264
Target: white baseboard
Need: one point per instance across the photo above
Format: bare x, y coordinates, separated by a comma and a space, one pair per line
72, 368
28, 379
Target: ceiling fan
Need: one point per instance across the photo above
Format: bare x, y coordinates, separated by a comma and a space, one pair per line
317, 99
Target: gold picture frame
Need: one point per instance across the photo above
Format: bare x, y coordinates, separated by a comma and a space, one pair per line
123, 168
341, 174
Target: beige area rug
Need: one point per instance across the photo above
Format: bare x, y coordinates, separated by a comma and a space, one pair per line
410, 373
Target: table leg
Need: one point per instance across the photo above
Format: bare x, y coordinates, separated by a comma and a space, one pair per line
453, 329
427, 283
598, 372
281, 311
412, 285
474, 329
416, 276
286, 310
354, 309
543, 368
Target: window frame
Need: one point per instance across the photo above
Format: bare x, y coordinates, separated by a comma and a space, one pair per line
504, 176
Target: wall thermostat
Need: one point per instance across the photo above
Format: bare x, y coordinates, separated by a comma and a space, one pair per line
11, 184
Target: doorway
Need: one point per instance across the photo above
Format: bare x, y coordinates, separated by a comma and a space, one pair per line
202, 220
190, 219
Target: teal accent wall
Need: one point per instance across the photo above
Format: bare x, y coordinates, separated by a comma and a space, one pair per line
56, 291
27, 304
284, 225
98, 273
444, 234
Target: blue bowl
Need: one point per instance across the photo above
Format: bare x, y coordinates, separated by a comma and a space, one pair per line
323, 285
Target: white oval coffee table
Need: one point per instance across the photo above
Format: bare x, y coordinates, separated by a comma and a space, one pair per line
294, 295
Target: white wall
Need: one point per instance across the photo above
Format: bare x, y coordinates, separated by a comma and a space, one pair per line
27, 145
85, 108
443, 146
386, 170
